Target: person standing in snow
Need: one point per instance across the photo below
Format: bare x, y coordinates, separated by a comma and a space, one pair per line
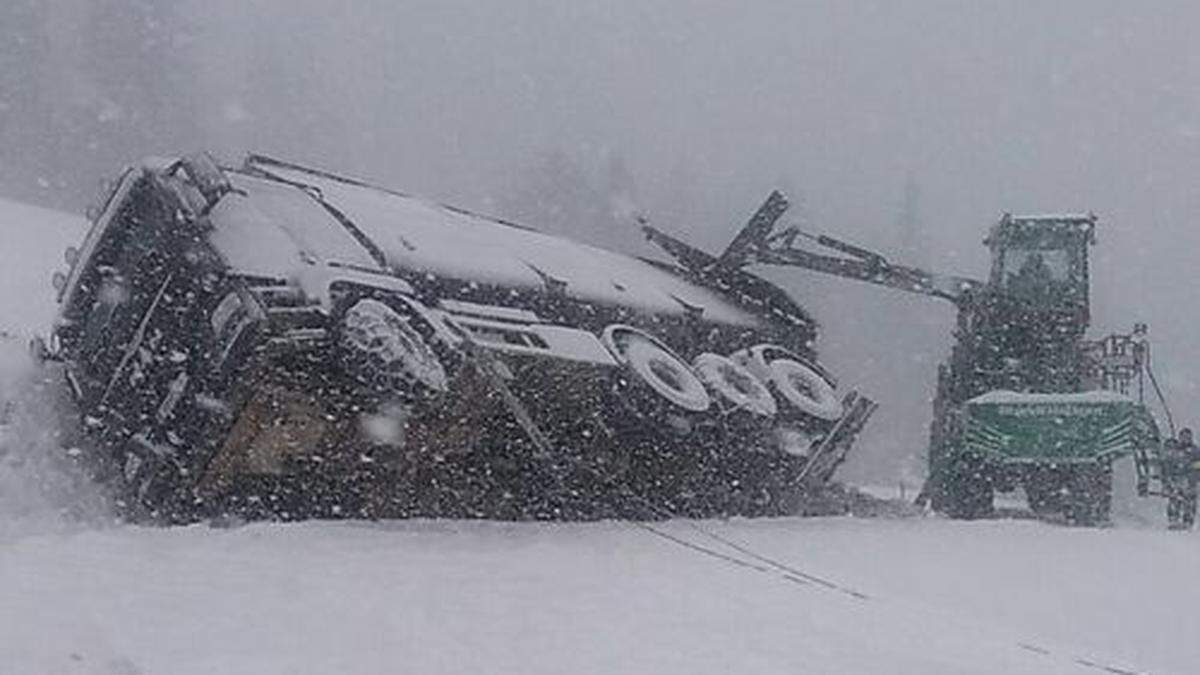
1180, 470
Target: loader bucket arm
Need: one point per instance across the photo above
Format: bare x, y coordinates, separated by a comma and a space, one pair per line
758, 243
757, 231
872, 268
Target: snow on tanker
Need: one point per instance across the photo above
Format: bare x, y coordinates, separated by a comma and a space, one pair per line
272, 340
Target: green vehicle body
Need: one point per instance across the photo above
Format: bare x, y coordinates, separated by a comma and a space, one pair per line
1011, 428
1026, 399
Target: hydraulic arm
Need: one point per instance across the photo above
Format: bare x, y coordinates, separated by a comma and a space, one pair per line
757, 243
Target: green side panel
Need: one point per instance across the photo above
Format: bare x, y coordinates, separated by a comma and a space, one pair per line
1043, 428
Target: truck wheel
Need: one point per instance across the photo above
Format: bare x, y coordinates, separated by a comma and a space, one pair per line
735, 384
806, 389
1044, 490
385, 348
657, 367
968, 490
1089, 499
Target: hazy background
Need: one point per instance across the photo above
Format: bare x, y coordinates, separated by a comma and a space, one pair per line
907, 126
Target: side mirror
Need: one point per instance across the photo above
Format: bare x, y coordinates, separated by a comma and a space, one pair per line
39, 351
43, 350
71, 255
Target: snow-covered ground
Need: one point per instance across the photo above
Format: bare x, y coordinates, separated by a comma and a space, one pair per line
81, 594
32, 241
423, 597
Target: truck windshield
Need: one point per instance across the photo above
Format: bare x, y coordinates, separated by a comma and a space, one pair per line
1033, 265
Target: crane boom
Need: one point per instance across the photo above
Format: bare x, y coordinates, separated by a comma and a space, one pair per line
757, 243
866, 266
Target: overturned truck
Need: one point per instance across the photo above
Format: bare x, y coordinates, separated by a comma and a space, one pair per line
275, 340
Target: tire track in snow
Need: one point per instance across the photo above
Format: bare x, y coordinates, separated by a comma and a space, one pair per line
785, 571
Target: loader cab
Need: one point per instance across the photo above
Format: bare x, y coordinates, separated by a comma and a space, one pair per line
1042, 261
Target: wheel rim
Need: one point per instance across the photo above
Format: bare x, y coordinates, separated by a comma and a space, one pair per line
659, 368
805, 389
735, 384
393, 347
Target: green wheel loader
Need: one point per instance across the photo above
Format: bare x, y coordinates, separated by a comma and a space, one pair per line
1025, 398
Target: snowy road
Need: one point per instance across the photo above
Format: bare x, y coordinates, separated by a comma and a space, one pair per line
940, 597
919, 595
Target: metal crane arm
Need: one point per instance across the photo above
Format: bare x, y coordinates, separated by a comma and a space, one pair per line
864, 266
756, 244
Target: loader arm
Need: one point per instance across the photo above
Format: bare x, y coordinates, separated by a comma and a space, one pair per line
866, 266
758, 244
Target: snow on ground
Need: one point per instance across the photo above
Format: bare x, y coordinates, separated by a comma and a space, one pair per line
32, 241
80, 594
941, 597
35, 490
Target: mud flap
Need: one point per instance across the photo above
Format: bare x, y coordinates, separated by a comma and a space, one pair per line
832, 451
491, 369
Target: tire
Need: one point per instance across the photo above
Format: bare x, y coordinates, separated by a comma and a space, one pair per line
1044, 500
385, 350
968, 491
658, 367
1044, 491
805, 389
735, 384
801, 385
1089, 498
